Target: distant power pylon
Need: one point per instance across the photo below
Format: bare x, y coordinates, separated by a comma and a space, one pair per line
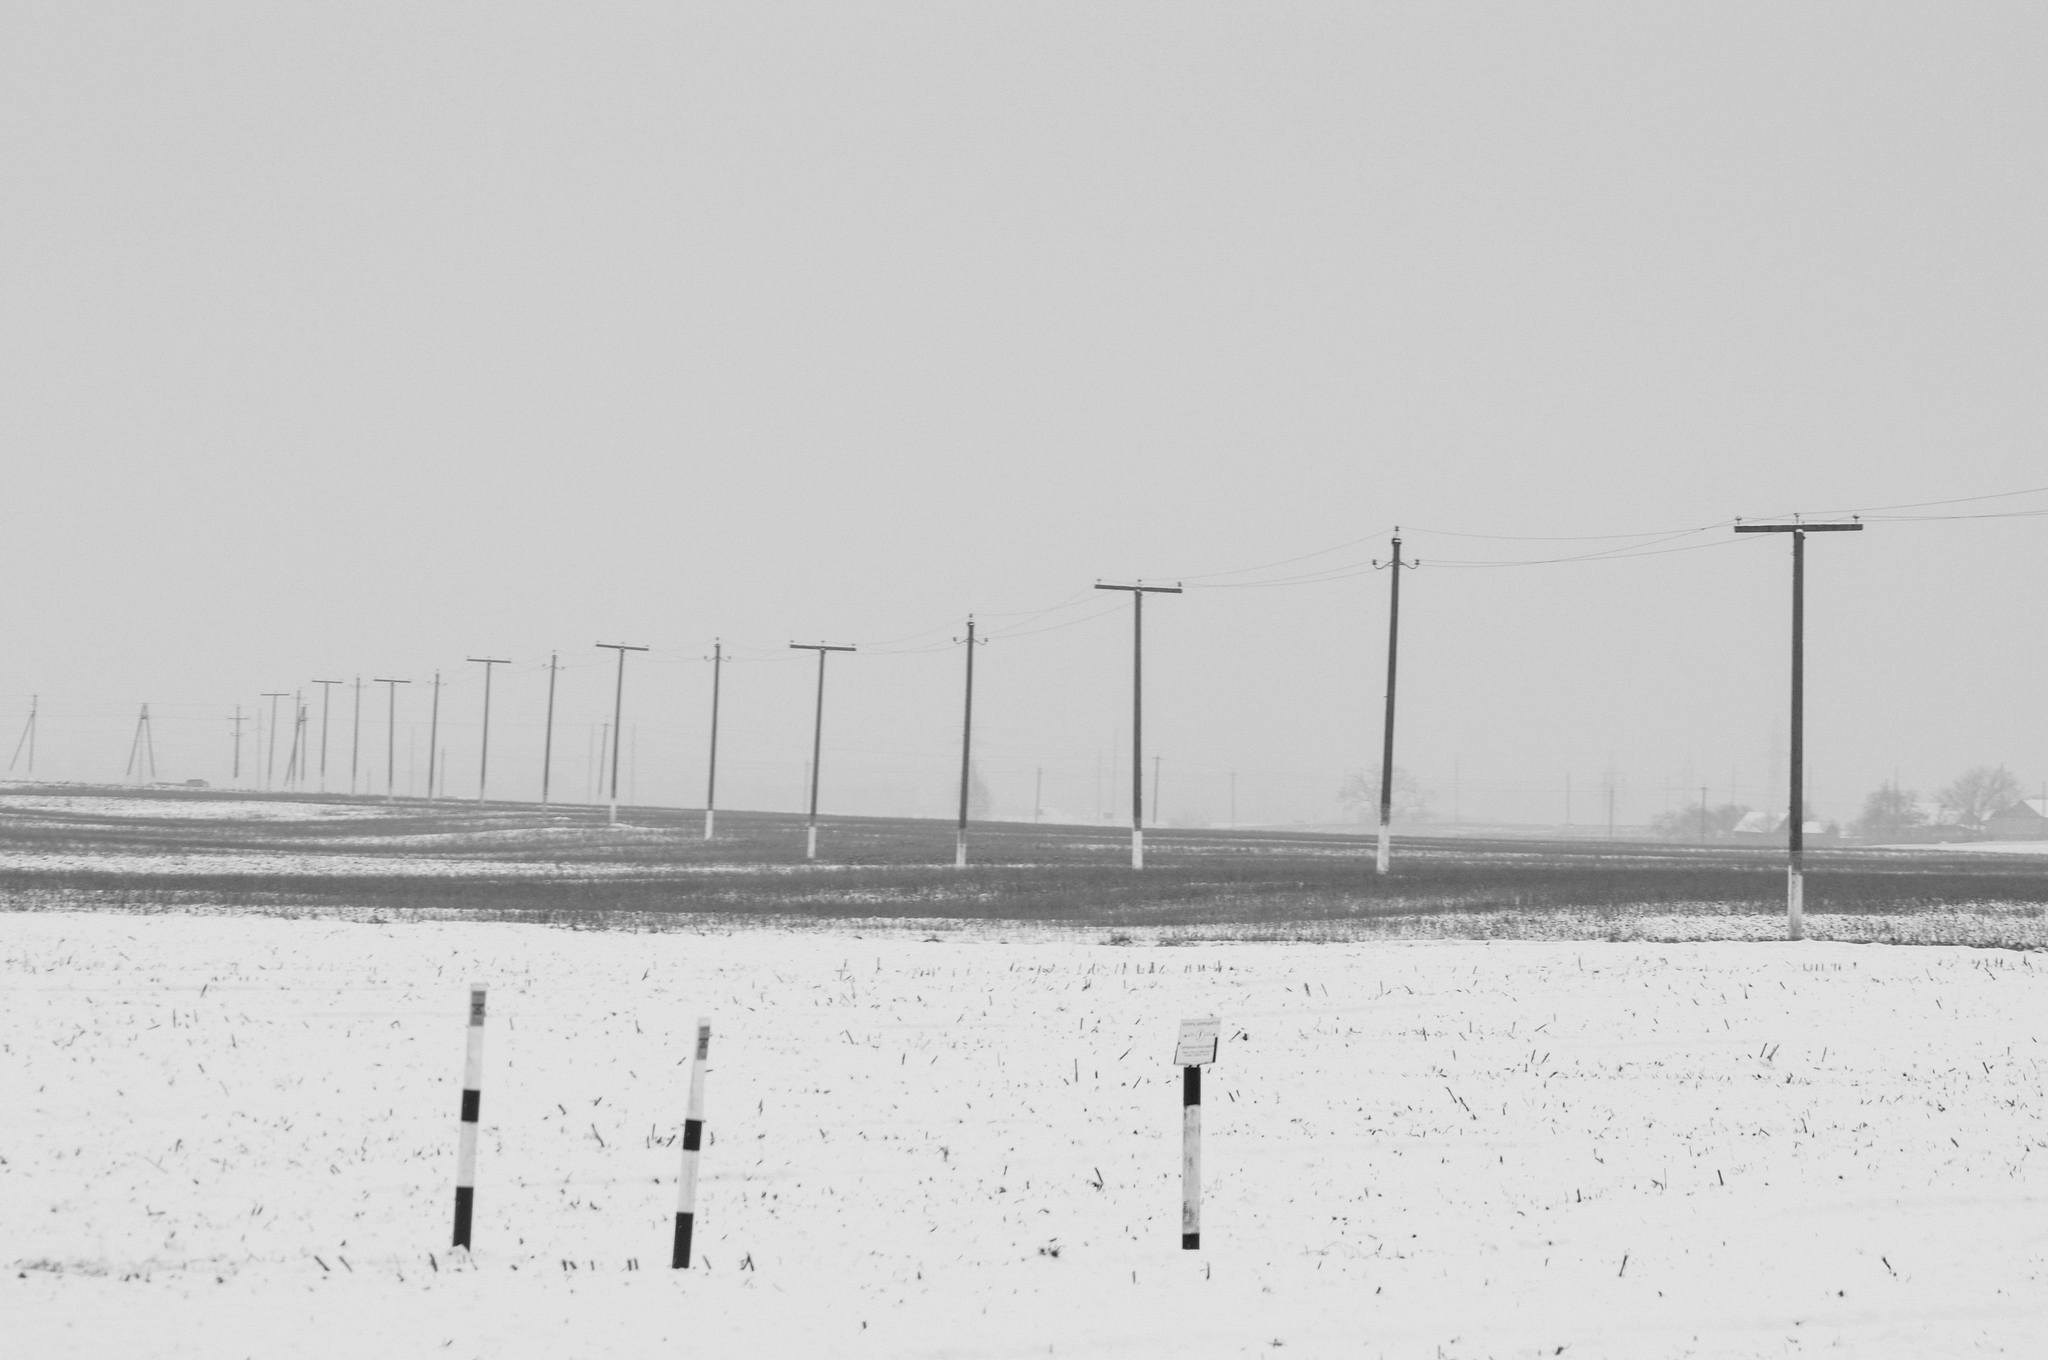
817, 739
1138, 594
28, 738
141, 750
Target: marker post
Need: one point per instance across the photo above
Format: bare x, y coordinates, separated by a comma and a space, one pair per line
693, 1137
1197, 1046
472, 1098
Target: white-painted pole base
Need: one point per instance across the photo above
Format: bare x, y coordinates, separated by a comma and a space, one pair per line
693, 1139
708, 818
1386, 847
1795, 904
960, 851
811, 845
1137, 848
615, 810
1191, 1158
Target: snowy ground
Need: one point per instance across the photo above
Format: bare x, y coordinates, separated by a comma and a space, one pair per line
225, 1137
199, 809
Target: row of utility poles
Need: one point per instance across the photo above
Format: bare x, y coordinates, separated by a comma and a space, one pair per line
141, 752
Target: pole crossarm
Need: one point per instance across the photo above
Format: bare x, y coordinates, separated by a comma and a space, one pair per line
1141, 589
821, 647
1796, 527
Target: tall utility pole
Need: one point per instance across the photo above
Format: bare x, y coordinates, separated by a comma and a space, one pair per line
1795, 823
270, 751
355, 741
711, 780
434, 735
1703, 814
142, 750
1138, 594
390, 736
547, 742
326, 694
483, 766
1395, 566
817, 739
28, 737
295, 761
618, 710
966, 745
238, 745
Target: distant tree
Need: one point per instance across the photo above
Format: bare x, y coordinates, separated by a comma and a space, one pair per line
1685, 823
1888, 812
1360, 796
1978, 794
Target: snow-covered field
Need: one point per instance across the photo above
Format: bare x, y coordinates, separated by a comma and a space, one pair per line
186, 808
226, 1136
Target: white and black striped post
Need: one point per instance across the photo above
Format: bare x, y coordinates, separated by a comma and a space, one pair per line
472, 1098
693, 1140
1197, 1046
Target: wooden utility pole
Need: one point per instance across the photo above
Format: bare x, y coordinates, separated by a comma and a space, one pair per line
711, 776
817, 739
28, 739
1138, 593
326, 696
390, 736
483, 767
270, 750
355, 740
547, 742
1395, 565
434, 737
966, 749
618, 709
1795, 820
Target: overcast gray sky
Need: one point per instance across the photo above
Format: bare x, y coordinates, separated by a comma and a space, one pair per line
341, 340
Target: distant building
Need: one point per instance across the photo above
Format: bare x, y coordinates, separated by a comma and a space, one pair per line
1768, 827
2026, 820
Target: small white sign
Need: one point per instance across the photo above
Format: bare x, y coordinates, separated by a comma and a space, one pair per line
1197, 1042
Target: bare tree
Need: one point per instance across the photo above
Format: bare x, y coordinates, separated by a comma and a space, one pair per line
1360, 795
1979, 793
1889, 811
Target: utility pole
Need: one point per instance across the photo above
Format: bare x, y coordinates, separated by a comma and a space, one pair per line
1395, 566
326, 694
355, 741
390, 736
142, 750
711, 779
294, 760
966, 744
434, 735
1703, 814
28, 737
1795, 824
238, 745
270, 751
618, 709
817, 739
1038, 797
483, 766
1138, 593
547, 744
